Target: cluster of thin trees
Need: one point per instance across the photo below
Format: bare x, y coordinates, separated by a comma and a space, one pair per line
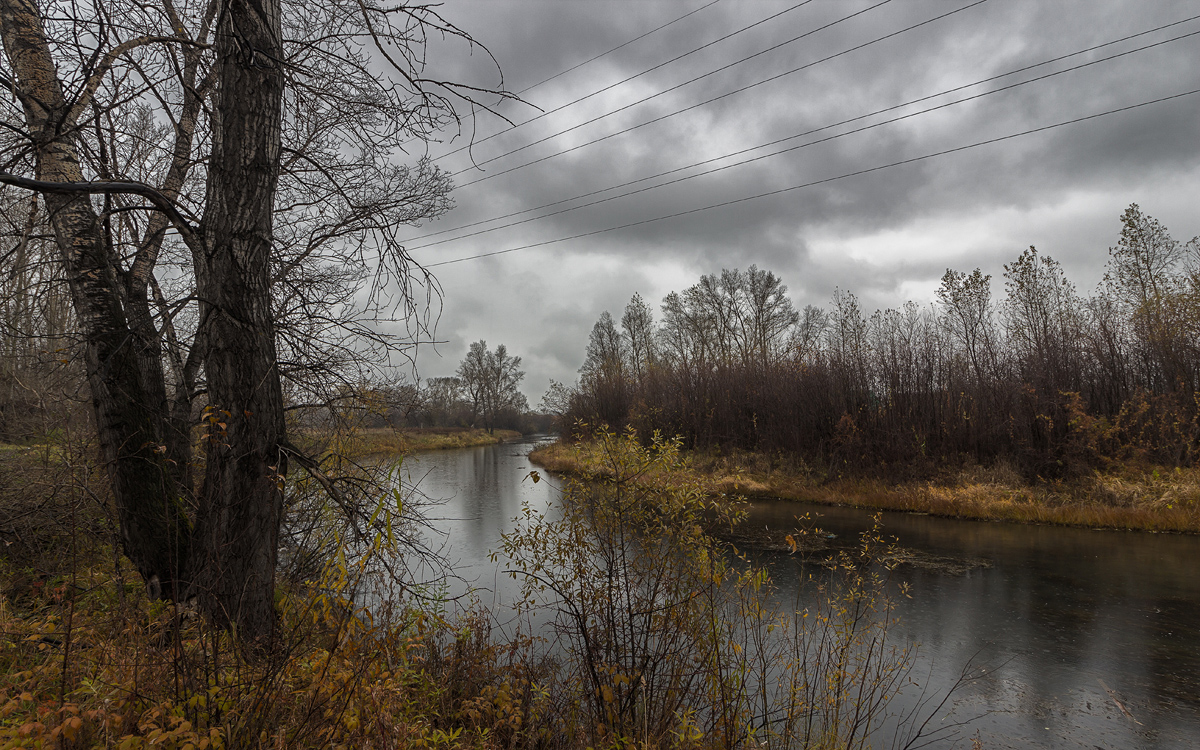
37, 376
1049, 378
485, 393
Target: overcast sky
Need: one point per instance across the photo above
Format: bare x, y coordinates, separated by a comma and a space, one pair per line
887, 235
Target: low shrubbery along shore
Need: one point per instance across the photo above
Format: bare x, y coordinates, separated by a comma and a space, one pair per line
1149, 499
387, 441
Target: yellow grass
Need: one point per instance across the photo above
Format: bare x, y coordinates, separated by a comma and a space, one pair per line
361, 443
1155, 500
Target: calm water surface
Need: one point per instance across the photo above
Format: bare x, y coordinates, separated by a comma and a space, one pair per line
1067, 622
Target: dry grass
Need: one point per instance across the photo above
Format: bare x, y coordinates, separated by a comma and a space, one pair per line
362, 443
1150, 499
87, 661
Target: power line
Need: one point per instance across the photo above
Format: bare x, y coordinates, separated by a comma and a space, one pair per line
609, 52
709, 101
657, 94
780, 191
811, 132
630, 78
577, 67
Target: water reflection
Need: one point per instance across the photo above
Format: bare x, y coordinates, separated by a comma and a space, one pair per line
1092, 638
1072, 621
478, 493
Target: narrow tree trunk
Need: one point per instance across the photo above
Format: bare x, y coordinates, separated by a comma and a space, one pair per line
241, 501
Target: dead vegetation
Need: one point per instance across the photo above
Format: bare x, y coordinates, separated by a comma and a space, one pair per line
1146, 498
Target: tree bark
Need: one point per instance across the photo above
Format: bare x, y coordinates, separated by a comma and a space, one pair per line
228, 557
241, 501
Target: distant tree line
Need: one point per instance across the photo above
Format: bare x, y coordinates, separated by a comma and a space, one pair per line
1053, 380
484, 393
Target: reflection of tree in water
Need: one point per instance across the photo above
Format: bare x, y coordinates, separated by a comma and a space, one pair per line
1056, 610
485, 500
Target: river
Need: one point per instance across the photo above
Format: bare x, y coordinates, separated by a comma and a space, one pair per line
1090, 639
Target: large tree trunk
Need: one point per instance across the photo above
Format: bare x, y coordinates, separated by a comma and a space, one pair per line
241, 501
130, 423
227, 558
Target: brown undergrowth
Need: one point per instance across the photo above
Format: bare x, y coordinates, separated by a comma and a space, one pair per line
90, 662
87, 660
1132, 497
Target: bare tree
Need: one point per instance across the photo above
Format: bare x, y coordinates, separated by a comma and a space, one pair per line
503, 391
443, 400
967, 309
637, 326
846, 339
37, 370
473, 374
1147, 273
1042, 315
687, 332
766, 315
491, 380
606, 354
735, 316
805, 340
604, 374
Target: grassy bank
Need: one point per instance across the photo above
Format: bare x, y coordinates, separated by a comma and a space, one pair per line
380, 441
371, 442
1148, 499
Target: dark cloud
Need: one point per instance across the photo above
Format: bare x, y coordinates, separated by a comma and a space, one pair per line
884, 234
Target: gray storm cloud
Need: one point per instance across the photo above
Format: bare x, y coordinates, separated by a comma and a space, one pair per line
884, 234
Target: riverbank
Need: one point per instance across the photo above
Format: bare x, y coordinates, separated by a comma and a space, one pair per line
387, 441
88, 660
361, 443
1157, 499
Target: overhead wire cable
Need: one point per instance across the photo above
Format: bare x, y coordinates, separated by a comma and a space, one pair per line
575, 67
707, 101
809, 143
614, 49
826, 180
609, 113
980, 82
626, 80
